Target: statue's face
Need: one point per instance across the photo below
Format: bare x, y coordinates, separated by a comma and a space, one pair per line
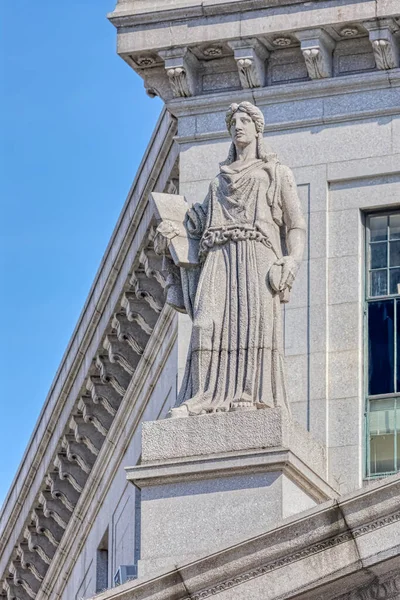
243, 129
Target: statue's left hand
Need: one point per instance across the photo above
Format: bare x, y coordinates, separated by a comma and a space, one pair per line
290, 266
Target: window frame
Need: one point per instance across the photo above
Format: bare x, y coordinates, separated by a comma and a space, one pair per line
368, 299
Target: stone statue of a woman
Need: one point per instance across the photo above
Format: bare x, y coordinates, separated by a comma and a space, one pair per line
235, 359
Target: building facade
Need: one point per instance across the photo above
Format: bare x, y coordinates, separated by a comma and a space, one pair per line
326, 76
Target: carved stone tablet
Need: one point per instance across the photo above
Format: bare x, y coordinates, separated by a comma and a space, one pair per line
171, 211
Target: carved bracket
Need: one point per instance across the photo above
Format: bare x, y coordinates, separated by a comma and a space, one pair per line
54, 509
31, 560
24, 578
384, 43
121, 352
61, 489
250, 56
317, 47
182, 71
95, 414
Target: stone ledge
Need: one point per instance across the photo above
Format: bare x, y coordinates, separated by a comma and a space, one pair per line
229, 465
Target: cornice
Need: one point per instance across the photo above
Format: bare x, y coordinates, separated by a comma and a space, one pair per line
305, 537
127, 14
90, 384
127, 420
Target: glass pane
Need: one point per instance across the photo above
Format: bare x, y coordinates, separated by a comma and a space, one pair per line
381, 416
394, 222
381, 454
395, 281
380, 347
378, 228
378, 283
379, 254
398, 361
394, 254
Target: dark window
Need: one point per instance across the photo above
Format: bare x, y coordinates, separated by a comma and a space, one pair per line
383, 330
102, 566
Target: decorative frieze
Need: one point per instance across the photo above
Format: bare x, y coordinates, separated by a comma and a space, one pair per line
182, 71
384, 43
317, 47
250, 56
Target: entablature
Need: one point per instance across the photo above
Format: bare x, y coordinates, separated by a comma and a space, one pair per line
194, 49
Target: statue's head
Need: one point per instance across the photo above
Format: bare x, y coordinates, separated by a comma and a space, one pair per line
245, 108
245, 122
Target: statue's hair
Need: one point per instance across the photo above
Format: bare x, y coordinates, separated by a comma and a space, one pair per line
258, 119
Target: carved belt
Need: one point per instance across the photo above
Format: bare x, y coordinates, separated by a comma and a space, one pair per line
217, 236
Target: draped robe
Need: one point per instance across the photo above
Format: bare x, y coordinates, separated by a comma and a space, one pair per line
236, 348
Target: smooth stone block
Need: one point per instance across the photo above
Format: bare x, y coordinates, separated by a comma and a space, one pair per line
214, 480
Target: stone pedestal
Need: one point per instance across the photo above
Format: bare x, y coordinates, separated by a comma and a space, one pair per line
211, 481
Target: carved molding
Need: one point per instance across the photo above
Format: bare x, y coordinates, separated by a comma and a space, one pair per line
382, 588
182, 71
331, 542
317, 47
250, 56
384, 43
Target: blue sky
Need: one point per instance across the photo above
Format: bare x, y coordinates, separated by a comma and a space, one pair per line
75, 121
